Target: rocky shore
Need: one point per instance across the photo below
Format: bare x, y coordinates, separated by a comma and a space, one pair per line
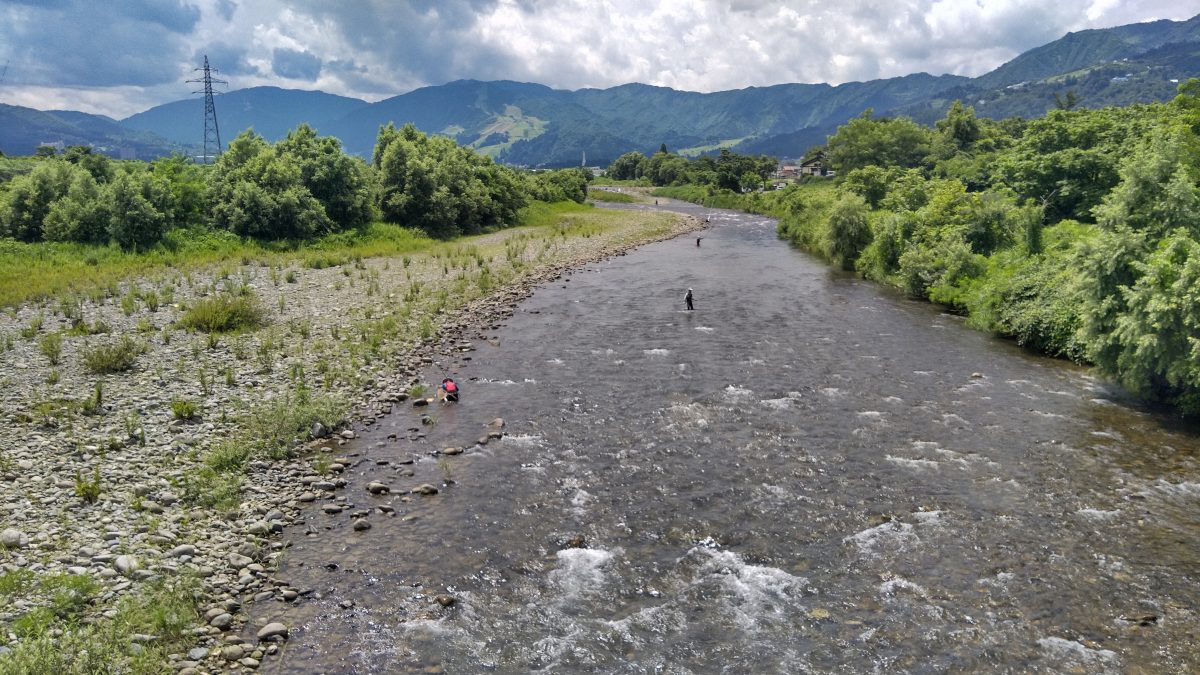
95, 469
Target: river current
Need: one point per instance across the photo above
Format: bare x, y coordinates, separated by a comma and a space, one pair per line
807, 473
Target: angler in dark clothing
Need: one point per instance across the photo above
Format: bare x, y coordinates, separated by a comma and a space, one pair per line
698, 240
688, 299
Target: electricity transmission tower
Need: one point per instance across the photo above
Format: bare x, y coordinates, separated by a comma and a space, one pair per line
212, 133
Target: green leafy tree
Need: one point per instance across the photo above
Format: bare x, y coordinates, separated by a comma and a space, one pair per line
1157, 192
445, 190
870, 183
848, 231
82, 215
257, 192
629, 166
342, 184
135, 222
1154, 349
865, 140
30, 197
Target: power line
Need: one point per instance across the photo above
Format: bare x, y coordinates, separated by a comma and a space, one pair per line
212, 132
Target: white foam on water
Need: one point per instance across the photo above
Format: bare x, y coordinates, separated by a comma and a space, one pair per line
781, 403
1097, 514
924, 464
557, 362
874, 416
756, 362
1001, 580
1184, 489
893, 399
891, 587
927, 517
656, 352
524, 440
1108, 434
1071, 650
619, 362
705, 329
890, 536
1102, 401
1049, 414
923, 372
580, 500
951, 418
832, 392
580, 571
736, 394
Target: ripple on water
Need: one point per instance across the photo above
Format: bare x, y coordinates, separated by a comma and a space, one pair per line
736, 394
781, 403
656, 352
524, 440
1097, 514
890, 537
705, 329
922, 464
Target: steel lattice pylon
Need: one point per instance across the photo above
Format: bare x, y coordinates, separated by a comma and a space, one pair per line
212, 132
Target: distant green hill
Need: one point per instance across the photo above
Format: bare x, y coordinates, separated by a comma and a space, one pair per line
270, 111
22, 130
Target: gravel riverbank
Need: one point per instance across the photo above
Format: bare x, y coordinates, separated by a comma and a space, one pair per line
95, 469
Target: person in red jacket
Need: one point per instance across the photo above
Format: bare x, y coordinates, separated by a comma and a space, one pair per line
449, 390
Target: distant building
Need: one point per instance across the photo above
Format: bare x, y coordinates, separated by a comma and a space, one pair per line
815, 166
57, 145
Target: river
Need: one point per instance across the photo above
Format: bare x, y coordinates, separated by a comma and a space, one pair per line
808, 473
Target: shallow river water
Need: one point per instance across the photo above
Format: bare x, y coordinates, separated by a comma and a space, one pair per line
807, 473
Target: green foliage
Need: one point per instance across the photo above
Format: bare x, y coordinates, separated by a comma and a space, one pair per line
88, 489
629, 166
847, 231
224, 313
442, 189
1154, 347
165, 609
274, 425
184, 409
866, 140
113, 357
559, 186
51, 346
257, 191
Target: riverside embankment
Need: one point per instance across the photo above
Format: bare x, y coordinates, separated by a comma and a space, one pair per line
129, 487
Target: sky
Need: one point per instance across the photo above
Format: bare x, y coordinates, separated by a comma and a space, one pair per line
119, 57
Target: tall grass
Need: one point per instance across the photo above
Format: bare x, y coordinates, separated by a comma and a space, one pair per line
52, 269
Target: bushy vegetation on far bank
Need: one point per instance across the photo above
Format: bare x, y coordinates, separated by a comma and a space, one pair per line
299, 189
1076, 234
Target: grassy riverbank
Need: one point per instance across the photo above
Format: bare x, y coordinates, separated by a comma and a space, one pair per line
157, 404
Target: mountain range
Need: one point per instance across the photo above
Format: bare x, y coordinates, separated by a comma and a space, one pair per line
534, 125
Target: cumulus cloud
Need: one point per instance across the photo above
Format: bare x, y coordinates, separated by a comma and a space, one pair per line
377, 48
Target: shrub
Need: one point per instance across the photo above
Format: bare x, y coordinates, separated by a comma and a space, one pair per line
113, 358
274, 425
184, 409
224, 313
51, 346
847, 231
88, 489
